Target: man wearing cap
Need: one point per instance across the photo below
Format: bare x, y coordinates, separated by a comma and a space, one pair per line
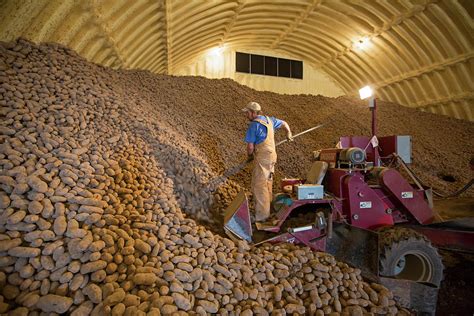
261, 147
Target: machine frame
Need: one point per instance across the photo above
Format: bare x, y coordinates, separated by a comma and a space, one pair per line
361, 199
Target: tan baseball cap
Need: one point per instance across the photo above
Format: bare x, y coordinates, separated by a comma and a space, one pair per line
252, 106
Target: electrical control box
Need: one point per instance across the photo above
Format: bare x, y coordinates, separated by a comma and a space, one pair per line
309, 191
399, 144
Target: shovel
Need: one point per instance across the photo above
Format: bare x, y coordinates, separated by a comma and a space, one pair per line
213, 184
299, 134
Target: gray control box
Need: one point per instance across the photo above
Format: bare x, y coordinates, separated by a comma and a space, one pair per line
404, 148
309, 191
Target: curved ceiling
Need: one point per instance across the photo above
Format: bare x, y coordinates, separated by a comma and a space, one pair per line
419, 53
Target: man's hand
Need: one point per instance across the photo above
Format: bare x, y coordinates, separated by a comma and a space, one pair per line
289, 136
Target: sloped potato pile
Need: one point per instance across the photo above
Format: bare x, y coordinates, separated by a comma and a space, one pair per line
93, 187
208, 112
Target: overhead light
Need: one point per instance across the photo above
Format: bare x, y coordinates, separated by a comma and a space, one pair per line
215, 61
362, 43
216, 51
366, 92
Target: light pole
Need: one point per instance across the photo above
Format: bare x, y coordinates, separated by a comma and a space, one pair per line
368, 93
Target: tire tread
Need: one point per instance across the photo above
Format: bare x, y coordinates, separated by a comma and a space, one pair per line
391, 239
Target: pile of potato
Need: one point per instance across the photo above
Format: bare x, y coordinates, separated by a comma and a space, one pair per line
93, 194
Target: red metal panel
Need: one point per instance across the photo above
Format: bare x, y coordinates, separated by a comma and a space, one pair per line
363, 206
307, 237
282, 238
412, 200
397, 215
286, 210
333, 181
388, 145
354, 141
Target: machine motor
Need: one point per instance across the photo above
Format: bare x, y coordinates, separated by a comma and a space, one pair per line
333, 156
353, 155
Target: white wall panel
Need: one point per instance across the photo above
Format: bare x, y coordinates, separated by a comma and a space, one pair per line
223, 66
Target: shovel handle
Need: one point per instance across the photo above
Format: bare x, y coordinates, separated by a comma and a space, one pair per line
299, 134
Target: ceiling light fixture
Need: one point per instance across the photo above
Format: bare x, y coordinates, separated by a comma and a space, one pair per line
363, 43
216, 51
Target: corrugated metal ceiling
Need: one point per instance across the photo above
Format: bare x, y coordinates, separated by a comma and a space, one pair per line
420, 52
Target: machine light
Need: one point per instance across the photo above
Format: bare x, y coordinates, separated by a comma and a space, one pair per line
366, 92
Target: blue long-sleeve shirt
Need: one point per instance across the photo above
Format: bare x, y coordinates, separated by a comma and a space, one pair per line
256, 132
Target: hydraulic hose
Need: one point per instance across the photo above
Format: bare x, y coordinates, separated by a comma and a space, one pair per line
441, 195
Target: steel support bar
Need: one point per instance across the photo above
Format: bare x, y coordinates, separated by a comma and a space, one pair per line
447, 238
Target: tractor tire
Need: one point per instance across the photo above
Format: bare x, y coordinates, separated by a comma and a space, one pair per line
407, 254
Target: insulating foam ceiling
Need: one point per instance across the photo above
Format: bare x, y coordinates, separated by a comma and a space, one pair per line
419, 53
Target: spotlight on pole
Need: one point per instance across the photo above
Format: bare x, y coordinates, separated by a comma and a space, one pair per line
366, 92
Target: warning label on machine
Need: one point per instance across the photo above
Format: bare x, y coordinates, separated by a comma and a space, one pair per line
407, 195
365, 204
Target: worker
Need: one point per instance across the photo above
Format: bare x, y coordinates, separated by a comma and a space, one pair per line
261, 148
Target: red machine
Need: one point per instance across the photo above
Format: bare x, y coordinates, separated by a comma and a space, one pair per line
370, 216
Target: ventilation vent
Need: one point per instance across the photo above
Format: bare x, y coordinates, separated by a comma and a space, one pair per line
269, 66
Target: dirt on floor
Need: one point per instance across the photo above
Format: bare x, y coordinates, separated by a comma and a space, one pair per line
456, 296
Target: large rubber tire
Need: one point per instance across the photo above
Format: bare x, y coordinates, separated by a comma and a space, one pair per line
406, 254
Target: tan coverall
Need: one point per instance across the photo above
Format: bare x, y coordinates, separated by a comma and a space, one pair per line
262, 176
